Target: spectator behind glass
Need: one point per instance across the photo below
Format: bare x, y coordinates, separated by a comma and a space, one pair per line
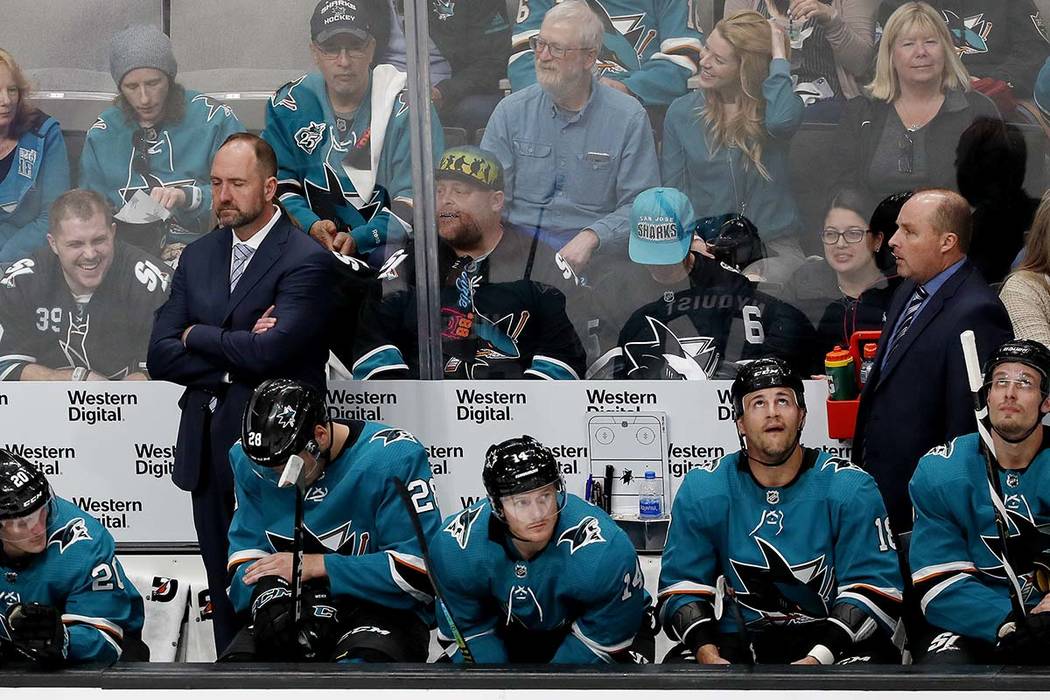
726, 145
649, 48
674, 312
501, 316
997, 40
901, 134
850, 288
34, 166
468, 57
158, 138
990, 167
1026, 292
575, 152
836, 45
81, 307
341, 135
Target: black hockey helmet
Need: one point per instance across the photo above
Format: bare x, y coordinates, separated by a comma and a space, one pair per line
516, 466
279, 421
737, 243
761, 374
23, 486
1027, 352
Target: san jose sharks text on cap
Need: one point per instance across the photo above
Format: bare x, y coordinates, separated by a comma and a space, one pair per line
662, 224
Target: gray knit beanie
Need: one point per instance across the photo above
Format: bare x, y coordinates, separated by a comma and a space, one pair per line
141, 46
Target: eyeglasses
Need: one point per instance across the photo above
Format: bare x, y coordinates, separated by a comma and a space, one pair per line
1023, 382
831, 236
557, 51
906, 159
353, 49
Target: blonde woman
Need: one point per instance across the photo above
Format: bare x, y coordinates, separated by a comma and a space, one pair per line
1026, 292
901, 134
34, 166
726, 145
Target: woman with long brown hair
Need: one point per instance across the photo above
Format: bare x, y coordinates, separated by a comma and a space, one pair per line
726, 145
34, 165
1026, 292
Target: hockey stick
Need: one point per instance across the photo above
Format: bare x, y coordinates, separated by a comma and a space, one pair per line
980, 412
439, 596
293, 476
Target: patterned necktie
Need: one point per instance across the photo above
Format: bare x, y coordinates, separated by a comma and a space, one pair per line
909, 315
242, 253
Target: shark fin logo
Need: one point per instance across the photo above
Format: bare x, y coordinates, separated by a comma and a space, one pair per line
392, 435
69, 534
664, 355
460, 526
586, 532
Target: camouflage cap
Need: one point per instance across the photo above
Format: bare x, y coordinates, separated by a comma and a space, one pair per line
472, 164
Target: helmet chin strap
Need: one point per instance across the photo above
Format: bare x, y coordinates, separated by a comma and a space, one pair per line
1027, 434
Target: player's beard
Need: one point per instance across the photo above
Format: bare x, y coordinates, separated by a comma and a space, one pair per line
1012, 430
460, 230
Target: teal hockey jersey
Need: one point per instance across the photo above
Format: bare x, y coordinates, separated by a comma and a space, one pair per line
816, 549
651, 46
355, 172
956, 555
352, 515
79, 574
585, 589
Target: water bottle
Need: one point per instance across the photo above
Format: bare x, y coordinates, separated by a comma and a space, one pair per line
868, 362
838, 366
650, 497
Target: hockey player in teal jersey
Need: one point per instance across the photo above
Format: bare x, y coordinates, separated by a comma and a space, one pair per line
535, 575
956, 554
650, 48
796, 538
341, 136
64, 597
366, 596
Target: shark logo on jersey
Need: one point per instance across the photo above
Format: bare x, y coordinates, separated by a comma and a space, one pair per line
460, 526
945, 450
213, 107
392, 435
670, 357
22, 267
69, 534
586, 532
338, 540
1027, 540
309, 137
288, 101
335, 204
286, 418
840, 464
783, 592
444, 9
99, 124
970, 34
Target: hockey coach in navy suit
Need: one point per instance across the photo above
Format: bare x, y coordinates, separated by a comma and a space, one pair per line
917, 395
248, 302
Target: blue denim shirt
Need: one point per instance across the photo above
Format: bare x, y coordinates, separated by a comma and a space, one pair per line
566, 172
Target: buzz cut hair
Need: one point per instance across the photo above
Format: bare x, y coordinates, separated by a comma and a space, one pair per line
578, 15
77, 204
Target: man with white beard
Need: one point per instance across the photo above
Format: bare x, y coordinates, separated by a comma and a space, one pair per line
575, 152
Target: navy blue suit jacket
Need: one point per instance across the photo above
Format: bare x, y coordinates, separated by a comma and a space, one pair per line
289, 270
921, 398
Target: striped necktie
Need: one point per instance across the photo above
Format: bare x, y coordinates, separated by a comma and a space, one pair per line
242, 253
909, 315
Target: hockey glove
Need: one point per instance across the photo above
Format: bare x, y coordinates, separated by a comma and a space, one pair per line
37, 632
273, 620
1025, 642
319, 625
